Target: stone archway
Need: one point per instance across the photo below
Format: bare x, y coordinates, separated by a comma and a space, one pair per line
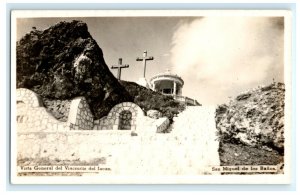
123, 116
119, 114
125, 120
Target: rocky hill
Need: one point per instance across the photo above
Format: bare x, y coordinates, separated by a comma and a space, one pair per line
253, 123
63, 62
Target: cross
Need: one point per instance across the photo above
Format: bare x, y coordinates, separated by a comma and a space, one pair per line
119, 67
144, 59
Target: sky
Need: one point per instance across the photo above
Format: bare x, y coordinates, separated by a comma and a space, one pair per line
217, 57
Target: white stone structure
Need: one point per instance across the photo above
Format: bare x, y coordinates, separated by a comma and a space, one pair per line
182, 152
167, 83
123, 116
129, 116
171, 84
80, 115
32, 116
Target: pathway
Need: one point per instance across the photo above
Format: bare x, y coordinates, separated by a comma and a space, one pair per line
189, 149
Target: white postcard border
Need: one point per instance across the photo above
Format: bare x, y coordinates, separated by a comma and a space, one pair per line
207, 179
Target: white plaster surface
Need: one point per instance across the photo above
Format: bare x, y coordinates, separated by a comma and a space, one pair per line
190, 149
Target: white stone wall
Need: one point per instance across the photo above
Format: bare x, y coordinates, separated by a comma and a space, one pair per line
151, 126
80, 116
103, 124
111, 121
176, 153
32, 116
70, 145
139, 123
162, 124
28, 97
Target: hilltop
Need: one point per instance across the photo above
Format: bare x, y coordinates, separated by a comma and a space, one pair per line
64, 61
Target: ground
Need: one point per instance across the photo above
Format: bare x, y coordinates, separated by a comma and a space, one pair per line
239, 154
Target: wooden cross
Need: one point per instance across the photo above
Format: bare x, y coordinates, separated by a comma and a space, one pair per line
119, 67
144, 59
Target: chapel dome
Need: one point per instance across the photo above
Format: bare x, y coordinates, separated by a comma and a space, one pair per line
167, 76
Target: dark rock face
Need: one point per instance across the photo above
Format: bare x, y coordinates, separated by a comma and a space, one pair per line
58, 108
63, 62
255, 118
151, 100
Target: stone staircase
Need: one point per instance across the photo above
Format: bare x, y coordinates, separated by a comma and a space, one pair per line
197, 130
190, 148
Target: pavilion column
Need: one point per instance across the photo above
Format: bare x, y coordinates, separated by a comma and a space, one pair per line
174, 88
180, 91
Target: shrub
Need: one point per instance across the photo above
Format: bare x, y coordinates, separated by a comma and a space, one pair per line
151, 100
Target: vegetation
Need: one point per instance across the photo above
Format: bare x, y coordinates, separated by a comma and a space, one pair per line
151, 100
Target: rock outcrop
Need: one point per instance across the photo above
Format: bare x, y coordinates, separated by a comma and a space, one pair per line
63, 62
154, 114
152, 100
254, 118
58, 108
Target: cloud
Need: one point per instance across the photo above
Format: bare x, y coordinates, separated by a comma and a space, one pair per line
220, 57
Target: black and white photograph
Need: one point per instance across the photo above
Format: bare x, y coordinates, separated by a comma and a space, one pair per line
150, 96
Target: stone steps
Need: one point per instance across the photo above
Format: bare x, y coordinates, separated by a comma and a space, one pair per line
189, 149
196, 127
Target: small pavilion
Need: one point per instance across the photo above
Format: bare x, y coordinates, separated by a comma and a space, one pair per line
171, 85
